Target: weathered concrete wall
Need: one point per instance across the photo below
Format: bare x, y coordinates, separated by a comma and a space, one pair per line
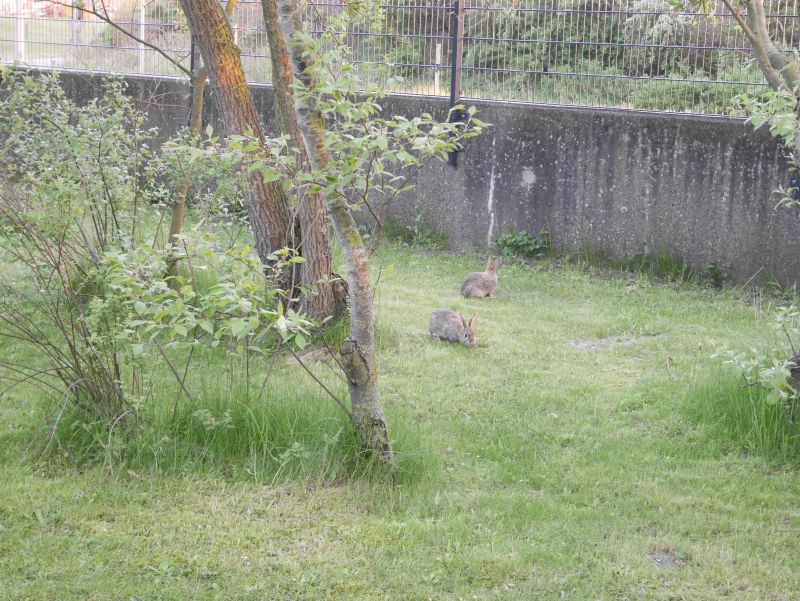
621, 182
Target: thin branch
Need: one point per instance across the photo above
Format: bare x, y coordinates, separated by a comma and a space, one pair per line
178, 396
108, 447
330, 350
740, 20
318, 381
106, 19
174, 371
271, 365
58, 419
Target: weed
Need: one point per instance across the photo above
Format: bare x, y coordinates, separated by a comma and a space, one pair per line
522, 244
419, 233
662, 266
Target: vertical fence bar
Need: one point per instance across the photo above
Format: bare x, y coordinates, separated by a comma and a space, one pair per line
436, 89
456, 58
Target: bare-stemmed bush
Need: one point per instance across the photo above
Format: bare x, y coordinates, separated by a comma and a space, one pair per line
81, 219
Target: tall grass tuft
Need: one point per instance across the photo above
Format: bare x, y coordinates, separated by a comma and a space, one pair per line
741, 417
237, 427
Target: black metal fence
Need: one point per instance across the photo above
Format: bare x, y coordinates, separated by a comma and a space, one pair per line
641, 54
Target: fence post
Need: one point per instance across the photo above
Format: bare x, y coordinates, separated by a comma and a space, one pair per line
74, 25
141, 35
194, 65
456, 57
20, 29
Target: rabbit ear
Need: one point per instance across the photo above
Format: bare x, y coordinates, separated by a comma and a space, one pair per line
464, 321
473, 320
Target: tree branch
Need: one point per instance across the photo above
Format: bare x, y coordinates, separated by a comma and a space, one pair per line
106, 19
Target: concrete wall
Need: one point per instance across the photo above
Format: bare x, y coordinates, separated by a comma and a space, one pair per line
621, 182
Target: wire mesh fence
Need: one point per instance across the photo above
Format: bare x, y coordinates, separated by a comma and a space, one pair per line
642, 54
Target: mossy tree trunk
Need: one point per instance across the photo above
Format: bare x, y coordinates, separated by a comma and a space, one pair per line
317, 269
358, 351
780, 71
266, 203
199, 78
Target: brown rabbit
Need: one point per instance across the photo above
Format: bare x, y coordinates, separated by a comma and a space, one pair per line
446, 324
481, 284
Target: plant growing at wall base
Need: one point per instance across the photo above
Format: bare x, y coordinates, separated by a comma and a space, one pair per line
522, 244
420, 233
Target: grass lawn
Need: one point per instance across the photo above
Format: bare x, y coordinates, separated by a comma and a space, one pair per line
559, 459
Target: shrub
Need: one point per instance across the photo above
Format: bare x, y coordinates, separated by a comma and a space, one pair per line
421, 233
94, 303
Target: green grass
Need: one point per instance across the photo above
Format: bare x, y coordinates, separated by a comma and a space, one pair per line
41, 34
742, 417
576, 453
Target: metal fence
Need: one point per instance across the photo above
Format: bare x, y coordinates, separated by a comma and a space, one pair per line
641, 54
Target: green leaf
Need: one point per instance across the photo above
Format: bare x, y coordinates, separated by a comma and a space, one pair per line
237, 326
270, 175
140, 307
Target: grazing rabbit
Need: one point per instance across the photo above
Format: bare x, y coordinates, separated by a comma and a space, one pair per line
481, 284
451, 326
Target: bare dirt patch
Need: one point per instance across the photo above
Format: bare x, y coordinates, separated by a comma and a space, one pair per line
601, 344
667, 558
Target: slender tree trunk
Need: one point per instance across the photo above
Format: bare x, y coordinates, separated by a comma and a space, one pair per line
318, 302
199, 78
266, 203
780, 72
195, 125
358, 352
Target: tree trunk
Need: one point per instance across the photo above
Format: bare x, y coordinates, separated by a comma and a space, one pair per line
266, 203
318, 300
358, 351
195, 125
780, 72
